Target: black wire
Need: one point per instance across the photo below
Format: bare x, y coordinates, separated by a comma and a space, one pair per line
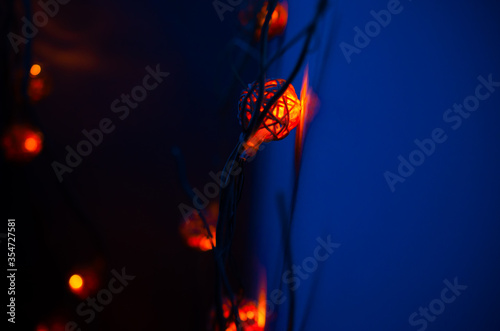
232, 199
311, 29
254, 122
231, 191
181, 168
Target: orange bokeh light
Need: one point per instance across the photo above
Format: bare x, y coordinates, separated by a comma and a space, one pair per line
35, 70
31, 144
84, 280
250, 316
278, 22
195, 232
21, 143
75, 282
39, 84
42, 327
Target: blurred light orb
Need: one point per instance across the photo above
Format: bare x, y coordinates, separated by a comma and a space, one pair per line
21, 143
278, 22
75, 282
35, 70
194, 231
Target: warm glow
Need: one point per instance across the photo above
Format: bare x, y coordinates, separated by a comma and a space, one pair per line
250, 316
37, 89
85, 280
76, 282
261, 304
195, 232
42, 327
278, 22
283, 116
22, 143
35, 70
31, 144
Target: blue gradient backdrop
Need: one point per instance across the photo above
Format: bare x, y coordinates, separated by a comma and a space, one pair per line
396, 248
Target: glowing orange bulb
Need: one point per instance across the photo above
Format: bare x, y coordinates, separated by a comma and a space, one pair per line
283, 115
76, 282
35, 70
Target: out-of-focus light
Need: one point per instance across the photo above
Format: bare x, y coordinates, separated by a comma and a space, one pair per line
42, 327
84, 280
283, 116
76, 282
35, 70
31, 144
195, 232
249, 316
21, 143
39, 84
278, 22
37, 88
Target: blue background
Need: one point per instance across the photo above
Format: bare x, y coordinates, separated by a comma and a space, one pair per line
398, 247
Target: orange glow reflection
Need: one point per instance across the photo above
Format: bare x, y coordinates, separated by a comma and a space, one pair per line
194, 231
261, 306
309, 104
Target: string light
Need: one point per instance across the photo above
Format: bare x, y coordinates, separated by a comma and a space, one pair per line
283, 116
